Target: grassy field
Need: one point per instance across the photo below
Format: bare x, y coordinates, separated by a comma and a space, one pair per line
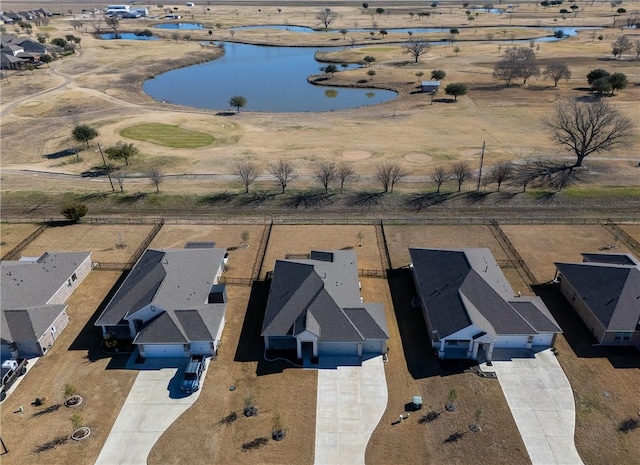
167, 135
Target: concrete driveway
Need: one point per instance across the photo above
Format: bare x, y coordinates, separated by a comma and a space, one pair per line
351, 402
541, 402
153, 404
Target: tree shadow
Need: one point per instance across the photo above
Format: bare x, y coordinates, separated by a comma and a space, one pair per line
419, 201
217, 198
255, 199
226, 113
476, 196
51, 444
444, 100
578, 335
366, 199
131, 198
309, 200
63, 153
255, 444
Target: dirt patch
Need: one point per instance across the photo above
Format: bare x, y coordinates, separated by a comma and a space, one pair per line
418, 157
356, 154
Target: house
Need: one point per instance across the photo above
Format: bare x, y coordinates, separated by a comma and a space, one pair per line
33, 292
32, 46
171, 304
604, 290
470, 309
430, 86
315, 309
8, 61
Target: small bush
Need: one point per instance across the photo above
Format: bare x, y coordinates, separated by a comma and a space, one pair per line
74, 212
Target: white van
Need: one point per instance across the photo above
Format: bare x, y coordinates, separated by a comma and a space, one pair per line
191, 4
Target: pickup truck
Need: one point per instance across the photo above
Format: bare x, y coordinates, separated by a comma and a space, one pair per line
192, 374
11, 371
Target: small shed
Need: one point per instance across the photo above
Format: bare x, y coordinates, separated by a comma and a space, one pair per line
430, 86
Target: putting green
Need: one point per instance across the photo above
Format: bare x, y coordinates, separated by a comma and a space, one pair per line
167, 135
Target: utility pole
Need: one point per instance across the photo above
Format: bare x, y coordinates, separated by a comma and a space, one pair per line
106, 168
481, 163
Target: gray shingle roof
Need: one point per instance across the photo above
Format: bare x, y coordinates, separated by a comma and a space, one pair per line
169, 278
33, 283
460, 287
611, 258
28, 324
314, 295
612, 292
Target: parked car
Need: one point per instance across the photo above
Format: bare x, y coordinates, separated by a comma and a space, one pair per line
192, 374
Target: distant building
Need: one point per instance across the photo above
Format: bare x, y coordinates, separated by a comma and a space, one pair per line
604, 290
430, 86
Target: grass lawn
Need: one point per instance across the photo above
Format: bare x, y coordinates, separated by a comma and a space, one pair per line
168, 135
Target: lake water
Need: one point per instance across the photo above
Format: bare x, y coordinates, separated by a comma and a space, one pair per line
126, 36
183, 26
272, 79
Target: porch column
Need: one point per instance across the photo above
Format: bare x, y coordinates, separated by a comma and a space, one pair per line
299, 348
476, 346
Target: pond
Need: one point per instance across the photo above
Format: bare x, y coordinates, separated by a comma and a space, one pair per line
272, 79
126, 36
183, 26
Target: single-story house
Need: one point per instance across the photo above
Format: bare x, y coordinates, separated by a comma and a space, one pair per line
604, 290
470, 309
33, 292
33, 46
8, 61
315, 309
430, 86
171, 304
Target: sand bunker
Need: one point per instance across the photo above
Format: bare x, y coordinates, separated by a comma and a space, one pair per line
418, 157
356, 154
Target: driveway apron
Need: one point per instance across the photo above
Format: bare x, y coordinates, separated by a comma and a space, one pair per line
351, 402
541, 402
153, 404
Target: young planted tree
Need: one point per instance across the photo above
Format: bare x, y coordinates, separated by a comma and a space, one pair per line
122, 151
284, 171
390, 173
84, 133
439, 175
417, 48
345, 174
455, 89
156, 177
461, 173
500, 173
325, 173
119, 177
237, 102
451, 400
586, 128
247, 172
326, 16
557, 71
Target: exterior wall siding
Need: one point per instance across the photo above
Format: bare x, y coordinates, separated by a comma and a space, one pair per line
583, 311
609, 339
281, 343
63, 293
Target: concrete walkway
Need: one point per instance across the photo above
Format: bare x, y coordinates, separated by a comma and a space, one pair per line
153, 404
541, 402
351, 402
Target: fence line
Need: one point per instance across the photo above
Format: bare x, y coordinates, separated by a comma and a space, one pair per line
624, 236
372, 273
234, 281
13, 253
262, 251
511, 249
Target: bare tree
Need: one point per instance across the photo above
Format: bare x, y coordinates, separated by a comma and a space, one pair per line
119, 175
284, 171
528, 65
501, 173
461, 172
247, 172
345, 173
636, 46
326, 173
417, 48
557, 71
439, 176
389, 174
586, 128
326, 16
621, 46
156, 177
113, 23
517, 62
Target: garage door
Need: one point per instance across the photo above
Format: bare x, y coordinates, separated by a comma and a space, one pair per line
337, 348
174, 350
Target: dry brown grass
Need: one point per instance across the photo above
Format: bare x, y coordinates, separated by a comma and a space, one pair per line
542, 245
103, 241
14, 233
632, 229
